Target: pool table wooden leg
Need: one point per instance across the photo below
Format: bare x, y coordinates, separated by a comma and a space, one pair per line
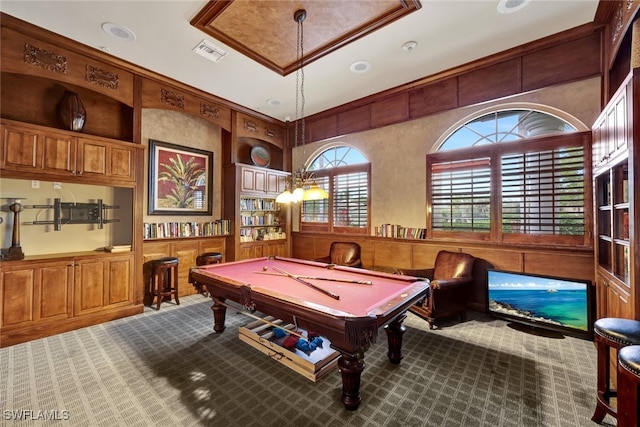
219, 314
351, 367
395, 330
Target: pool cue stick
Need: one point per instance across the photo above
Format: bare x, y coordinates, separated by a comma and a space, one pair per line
275, 325
329, 279
311, 285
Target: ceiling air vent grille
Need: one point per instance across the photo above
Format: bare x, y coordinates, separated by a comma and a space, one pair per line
210, 51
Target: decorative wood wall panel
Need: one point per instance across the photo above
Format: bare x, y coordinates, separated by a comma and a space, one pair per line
488, 83
535, 66
390, 110
437, 96
354, 120
541, 69
26, 55
162, 96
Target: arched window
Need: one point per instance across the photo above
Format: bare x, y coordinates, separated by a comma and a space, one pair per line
345, 173
505, 126
515, 176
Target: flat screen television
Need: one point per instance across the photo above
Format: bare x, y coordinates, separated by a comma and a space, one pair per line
554, 303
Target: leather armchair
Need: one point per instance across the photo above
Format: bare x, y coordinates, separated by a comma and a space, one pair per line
343, 253
450, 280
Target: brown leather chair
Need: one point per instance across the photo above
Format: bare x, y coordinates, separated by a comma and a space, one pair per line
450, 278
343, 253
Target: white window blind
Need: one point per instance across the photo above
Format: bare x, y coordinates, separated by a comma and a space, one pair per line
350, 200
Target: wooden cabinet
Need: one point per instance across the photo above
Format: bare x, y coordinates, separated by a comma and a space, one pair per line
46, 152
101, 283
260, 180
260, 225
616, 136
42, 297
186, 250
34, 293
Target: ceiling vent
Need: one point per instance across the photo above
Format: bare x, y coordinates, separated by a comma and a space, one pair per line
210, 51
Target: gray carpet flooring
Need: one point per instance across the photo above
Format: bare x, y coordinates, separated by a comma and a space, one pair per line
168, 368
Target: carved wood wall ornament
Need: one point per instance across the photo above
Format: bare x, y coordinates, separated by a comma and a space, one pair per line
101, 77
172, 98
45, 59
209, 110
250, 126
271, 133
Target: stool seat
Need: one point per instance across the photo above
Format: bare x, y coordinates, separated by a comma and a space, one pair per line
611, 333
206, 258
209, 258
623, 331
164, 279
628, 382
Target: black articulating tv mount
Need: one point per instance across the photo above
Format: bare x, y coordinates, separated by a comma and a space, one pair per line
76, 213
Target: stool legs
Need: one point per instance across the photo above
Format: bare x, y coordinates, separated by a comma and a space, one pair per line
603, 406
627, 398
164, 282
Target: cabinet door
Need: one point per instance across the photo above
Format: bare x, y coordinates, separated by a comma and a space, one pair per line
34, 293
31, 150
247, 179
89, 286
186, 252
119, 289
105, 160
92, 158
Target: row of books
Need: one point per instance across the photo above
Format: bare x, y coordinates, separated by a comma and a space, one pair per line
266, 219
257, 234
258, 205
399, 232
163, 230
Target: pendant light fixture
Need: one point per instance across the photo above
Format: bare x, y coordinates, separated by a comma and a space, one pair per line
302, 181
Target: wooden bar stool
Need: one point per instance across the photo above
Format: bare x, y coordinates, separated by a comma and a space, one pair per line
206, 259
610, 332
164, 279
628, 383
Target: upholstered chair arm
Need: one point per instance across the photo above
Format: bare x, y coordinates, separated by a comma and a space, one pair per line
326, 259
448, 284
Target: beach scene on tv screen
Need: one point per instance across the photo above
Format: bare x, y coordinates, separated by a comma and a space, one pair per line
541, 299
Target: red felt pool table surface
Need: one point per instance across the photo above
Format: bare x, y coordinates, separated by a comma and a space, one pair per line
355, 299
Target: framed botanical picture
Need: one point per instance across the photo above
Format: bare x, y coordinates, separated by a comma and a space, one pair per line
180, 179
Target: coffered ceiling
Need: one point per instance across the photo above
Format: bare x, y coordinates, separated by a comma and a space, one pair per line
332, 24
350, 55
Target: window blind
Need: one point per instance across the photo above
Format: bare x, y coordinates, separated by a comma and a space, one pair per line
350, 200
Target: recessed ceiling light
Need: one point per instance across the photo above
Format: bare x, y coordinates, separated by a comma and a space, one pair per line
274, 102
118, 31
360, 67
510, 6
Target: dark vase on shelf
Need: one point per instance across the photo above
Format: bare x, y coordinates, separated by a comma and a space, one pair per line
71, 111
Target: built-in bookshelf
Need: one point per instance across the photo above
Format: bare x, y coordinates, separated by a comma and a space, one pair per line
260, 220
396, 231
167, 230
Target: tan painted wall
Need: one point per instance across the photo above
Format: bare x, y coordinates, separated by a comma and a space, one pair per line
183, 129
398, 153
43, 239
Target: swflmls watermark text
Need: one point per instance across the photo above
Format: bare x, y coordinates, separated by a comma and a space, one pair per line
35, 415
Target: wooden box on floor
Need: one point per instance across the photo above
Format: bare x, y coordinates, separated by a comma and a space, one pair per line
312, 365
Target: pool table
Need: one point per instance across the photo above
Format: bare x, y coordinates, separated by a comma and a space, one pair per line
319, 297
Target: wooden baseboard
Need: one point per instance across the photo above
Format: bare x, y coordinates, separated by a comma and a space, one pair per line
15, 335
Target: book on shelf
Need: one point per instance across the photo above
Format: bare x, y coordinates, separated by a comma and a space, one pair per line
164, 230
399, 232
117, 248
